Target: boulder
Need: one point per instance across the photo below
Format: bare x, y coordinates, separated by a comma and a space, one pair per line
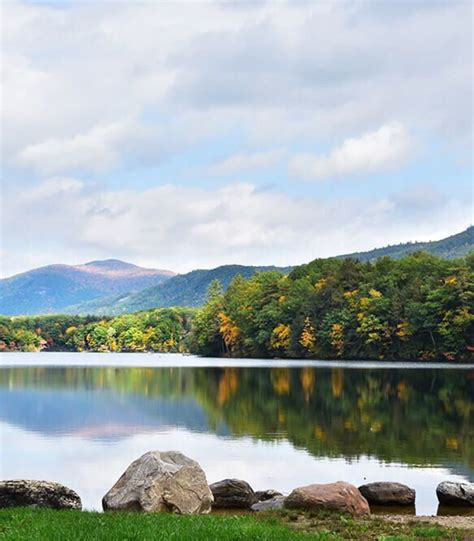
455, 494
233, 494
384, 493
263, 495
27, 493
161, 482
341, 497
271, 504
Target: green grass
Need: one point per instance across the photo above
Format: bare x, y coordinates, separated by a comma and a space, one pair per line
46, 524
433, 531
51, 525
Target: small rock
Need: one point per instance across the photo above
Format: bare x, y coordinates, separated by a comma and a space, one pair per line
341, 497
27, 493
263, 495
455, 494
271, 504
161, 481
233, 494
385, 493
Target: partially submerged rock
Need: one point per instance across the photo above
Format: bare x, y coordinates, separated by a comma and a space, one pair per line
272, 504
455, 494
341, 497
233, 494
386, 493
161, 481
29, 493
263, 495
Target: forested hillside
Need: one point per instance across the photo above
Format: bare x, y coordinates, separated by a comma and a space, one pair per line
113, 287
451, 247
183, 290
416, 308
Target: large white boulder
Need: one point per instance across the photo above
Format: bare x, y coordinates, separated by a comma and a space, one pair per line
161, 482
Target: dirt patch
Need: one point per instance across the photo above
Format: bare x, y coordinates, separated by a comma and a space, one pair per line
462, 522
337, 527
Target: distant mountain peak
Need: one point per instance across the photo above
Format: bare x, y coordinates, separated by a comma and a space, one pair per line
51, 288
111, 264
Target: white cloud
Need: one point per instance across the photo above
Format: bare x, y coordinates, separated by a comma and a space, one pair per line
250, 160
185, 228
273, 71
53, 187
380, 150
205, 76
97, 149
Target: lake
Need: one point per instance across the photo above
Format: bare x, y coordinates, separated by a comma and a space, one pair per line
80, 419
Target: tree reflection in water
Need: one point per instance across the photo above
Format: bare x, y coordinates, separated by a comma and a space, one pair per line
417, 417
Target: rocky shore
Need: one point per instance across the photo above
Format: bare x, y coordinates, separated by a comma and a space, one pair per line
171, 482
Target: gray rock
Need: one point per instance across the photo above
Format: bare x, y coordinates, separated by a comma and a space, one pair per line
271, 504
233, 494
385, 493
161, 481
455, 494
263, 495
27, 493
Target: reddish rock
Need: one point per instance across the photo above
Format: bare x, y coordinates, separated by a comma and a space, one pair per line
341, 497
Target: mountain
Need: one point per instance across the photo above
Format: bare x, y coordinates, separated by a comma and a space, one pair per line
457, 245
115, 287
50, 289
183, 290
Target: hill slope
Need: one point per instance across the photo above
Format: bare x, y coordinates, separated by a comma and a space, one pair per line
449, 248
50, 289
183, 290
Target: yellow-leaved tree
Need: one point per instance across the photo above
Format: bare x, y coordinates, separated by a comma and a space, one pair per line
230, 333
280, 339
337, 338
308, 338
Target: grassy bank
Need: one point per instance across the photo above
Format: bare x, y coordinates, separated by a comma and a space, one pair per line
39, 524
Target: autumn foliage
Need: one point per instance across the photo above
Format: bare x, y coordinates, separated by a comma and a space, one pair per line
416, 308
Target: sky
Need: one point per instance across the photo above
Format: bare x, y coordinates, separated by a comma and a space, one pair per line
183, 135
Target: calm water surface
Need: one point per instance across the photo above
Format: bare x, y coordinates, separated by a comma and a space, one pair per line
80, 419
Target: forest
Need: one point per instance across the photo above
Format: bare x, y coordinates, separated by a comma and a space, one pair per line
161, 329
419, 307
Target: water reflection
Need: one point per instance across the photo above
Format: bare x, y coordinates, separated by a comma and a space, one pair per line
276, 427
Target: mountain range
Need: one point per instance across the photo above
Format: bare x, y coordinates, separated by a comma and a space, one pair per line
451, 247
183, 290
113, 287
54, 287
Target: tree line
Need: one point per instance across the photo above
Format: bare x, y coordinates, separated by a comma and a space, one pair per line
161, 329
416, 308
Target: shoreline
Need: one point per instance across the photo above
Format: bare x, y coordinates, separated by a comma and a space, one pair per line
169, 360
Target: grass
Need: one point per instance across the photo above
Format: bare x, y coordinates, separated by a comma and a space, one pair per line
46, 524
38, 524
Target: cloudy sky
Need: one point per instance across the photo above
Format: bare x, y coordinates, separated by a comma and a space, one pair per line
187, 135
